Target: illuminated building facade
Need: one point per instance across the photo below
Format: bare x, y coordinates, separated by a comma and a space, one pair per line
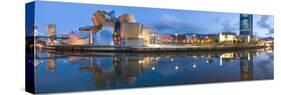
147, 34
131, 33
246, 24
166, 38
228, 37
246, 27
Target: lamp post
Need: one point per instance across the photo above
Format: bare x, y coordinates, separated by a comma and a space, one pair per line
176, 39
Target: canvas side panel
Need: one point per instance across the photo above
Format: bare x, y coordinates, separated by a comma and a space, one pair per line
29, 47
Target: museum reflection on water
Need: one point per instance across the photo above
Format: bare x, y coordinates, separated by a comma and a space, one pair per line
127, 67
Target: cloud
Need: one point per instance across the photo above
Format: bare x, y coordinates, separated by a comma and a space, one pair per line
226, 24
217, 19
265, 22
270, 31
171, 24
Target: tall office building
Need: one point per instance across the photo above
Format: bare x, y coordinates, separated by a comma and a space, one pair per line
246, 24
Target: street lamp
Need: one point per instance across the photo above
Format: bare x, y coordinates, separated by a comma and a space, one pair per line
176, 38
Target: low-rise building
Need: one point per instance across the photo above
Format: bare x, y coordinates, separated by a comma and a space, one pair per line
266, 41
166, 38
228, 37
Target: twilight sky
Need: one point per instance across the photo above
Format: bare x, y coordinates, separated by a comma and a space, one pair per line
70, 16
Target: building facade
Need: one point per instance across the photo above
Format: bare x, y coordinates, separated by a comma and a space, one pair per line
131, 34
246, 28
246, 24
228, 37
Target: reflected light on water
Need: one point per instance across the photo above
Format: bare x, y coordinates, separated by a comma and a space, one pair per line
121, 70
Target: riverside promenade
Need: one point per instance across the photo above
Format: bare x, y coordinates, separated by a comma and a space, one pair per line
165, 48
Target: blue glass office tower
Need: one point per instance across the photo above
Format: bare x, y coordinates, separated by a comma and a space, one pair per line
246, 24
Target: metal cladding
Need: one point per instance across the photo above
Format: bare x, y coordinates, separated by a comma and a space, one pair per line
51, 29
126, 18
147, 33
134, 42
126, 29
131, 30
99, 17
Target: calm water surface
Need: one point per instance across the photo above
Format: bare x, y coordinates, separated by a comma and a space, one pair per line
57, 72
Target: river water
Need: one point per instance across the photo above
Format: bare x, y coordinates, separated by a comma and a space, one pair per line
74, 71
